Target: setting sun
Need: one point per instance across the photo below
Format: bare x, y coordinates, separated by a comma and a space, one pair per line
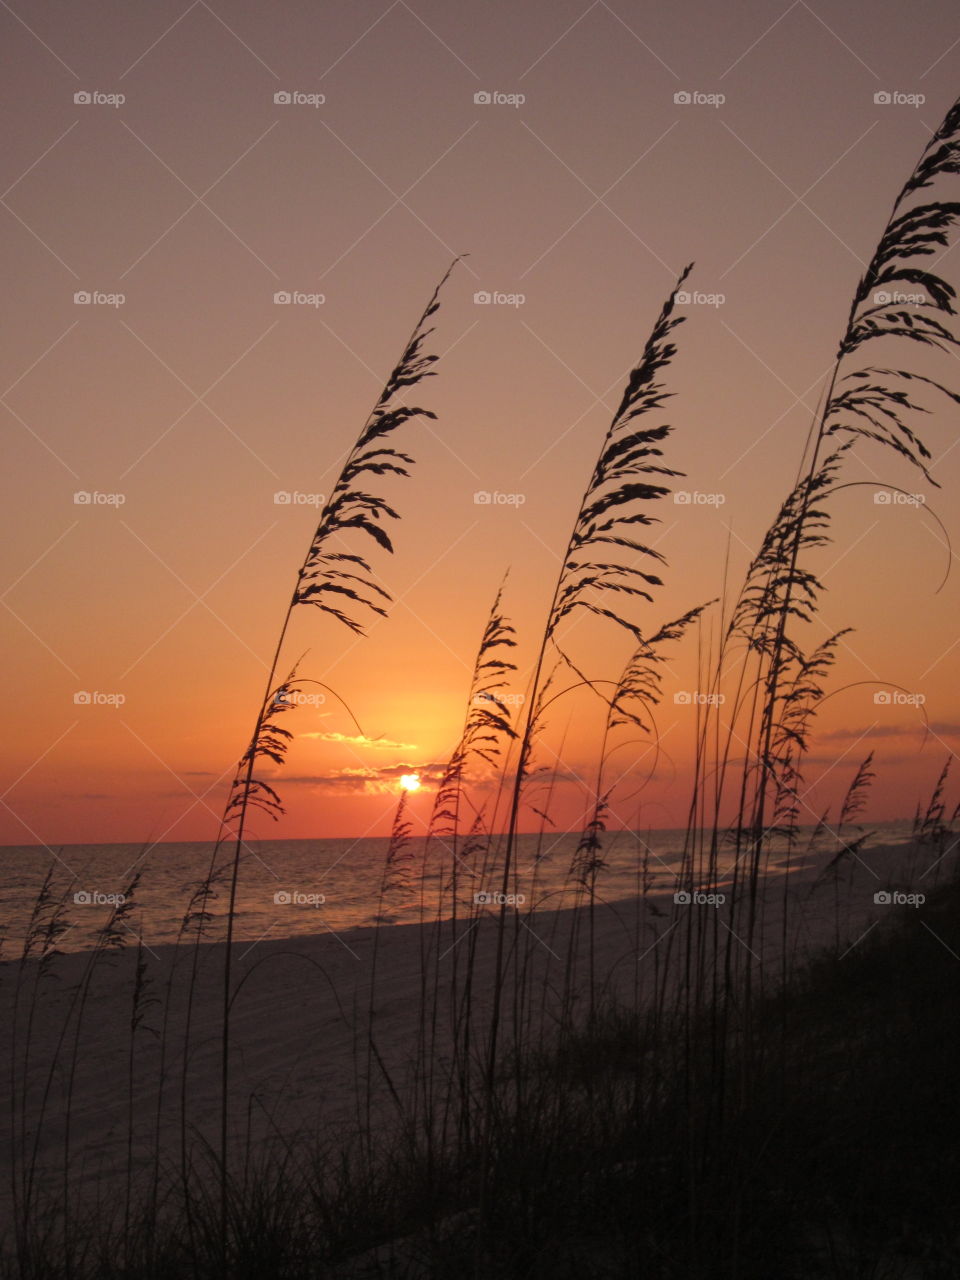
410, 781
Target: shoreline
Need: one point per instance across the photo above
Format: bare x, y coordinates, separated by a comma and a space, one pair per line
302, 1002
801, 869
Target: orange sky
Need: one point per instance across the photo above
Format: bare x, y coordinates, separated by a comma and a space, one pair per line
198, 398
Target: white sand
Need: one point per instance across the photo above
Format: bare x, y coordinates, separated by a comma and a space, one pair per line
299, 1056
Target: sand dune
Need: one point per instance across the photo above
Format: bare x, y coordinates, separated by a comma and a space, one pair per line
299, 1059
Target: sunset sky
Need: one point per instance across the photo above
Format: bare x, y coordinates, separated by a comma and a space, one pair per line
183, 398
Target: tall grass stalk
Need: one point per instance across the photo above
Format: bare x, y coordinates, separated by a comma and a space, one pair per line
614, 502
338, 583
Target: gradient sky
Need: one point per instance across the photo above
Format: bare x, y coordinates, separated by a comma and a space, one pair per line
198, 398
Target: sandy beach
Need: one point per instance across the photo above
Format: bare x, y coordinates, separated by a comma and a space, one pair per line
300, 1055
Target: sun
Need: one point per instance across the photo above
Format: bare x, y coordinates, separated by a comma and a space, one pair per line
410, 781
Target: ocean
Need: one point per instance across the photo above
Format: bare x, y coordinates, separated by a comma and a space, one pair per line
288, 888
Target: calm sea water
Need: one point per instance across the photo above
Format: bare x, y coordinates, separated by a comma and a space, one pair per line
294, 887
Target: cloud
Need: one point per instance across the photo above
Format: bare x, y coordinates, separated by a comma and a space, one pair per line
852, 761
429, 772
366, 781
381, 744
943, 728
